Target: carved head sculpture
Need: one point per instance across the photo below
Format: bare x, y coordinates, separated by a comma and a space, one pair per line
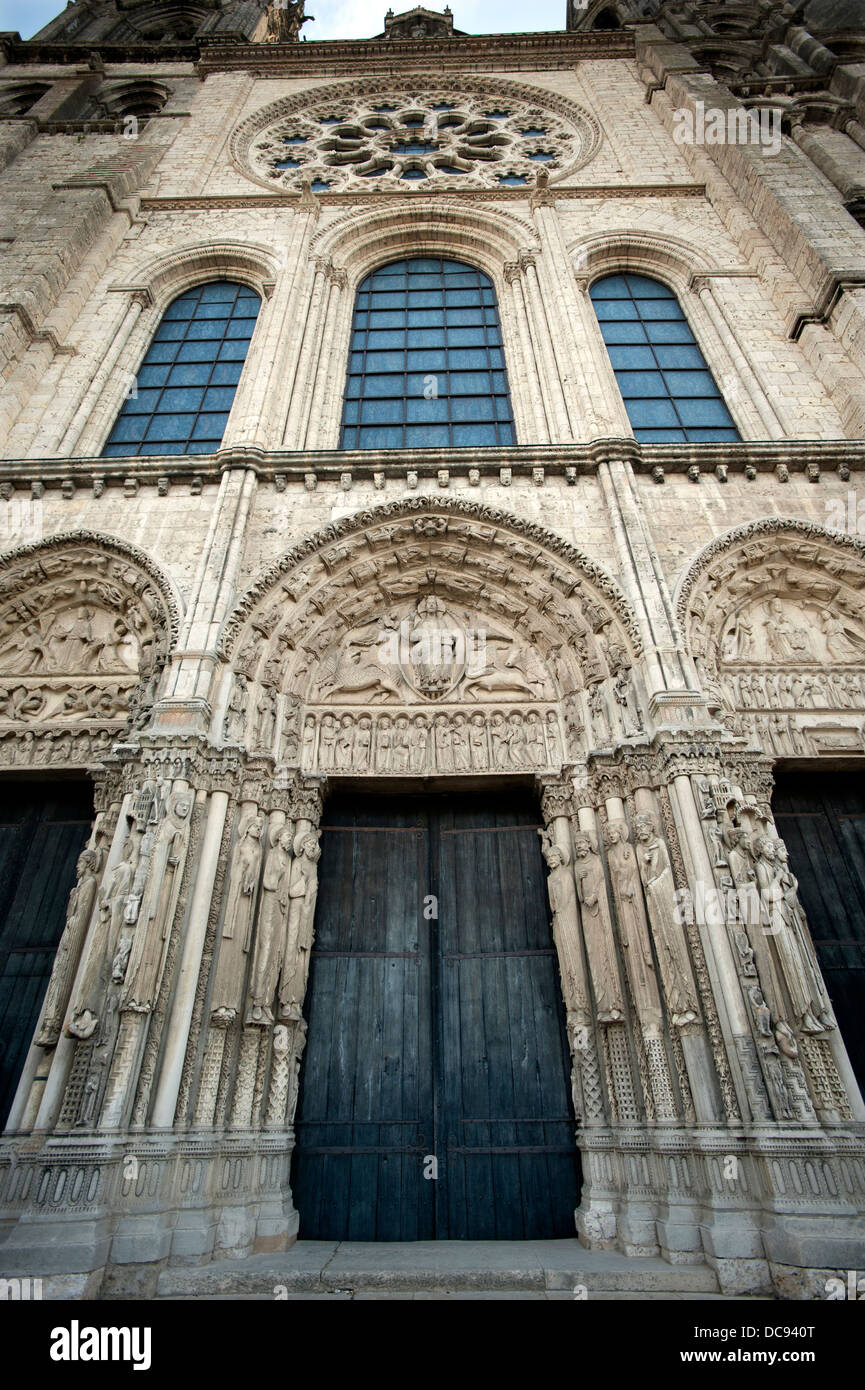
284, 839
555, 855
782, 854
615, 832
253, 830
346, 721
478, 720
306, 846
645, 828
181, 805
763, 846
583, 846
88, 862
384, 722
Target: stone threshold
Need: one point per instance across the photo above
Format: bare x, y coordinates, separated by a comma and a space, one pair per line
533, 1268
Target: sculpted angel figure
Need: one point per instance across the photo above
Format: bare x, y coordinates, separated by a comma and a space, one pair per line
842, 642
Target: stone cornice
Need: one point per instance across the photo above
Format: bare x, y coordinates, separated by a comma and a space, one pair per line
506, 52
228, 202
325, 466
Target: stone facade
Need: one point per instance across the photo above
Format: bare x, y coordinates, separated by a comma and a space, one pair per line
667, 620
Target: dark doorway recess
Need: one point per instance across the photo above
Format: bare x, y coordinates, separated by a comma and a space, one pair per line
43, 828
821, 816
434, 1037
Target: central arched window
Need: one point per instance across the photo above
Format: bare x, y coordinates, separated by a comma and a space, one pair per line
669, 393
185, 386
426, 367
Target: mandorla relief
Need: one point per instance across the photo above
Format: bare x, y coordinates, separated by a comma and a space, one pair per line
429, 686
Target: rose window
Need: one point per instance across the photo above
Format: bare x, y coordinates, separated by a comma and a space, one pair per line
402, 142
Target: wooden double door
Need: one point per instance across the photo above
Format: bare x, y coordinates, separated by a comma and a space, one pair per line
435, 1090
43, 829
821, 817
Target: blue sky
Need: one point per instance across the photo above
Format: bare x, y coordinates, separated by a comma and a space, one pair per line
347, 19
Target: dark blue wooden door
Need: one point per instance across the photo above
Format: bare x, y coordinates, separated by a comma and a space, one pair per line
43, 829
435, 1099
821, 817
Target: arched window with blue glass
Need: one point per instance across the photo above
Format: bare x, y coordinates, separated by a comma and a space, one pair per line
426, 366
669, 393
185, 386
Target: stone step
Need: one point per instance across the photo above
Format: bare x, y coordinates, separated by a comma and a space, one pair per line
438, 1269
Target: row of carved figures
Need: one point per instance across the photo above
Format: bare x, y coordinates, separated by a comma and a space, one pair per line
443, 742
64, 701
122, 916
797, 690
123, 913
76, 747
790, 1010
645, 901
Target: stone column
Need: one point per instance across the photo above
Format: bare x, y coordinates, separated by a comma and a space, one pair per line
745, 374
310, 346
89, 416
177, 1029
330, 364
235, 936
560, 294
533, 396
735, 1024
542, 327
671, 949
185, 705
